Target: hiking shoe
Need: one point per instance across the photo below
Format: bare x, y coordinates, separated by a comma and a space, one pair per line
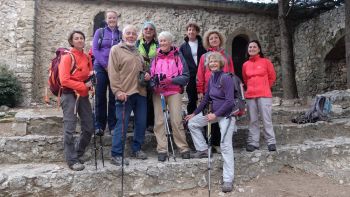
139, 155
77, 167
117, 160
251, 148
271, 147
99, 132
227, 187
200, 154
162, 157
186, 155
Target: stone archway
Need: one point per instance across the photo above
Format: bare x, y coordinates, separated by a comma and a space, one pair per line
99, 21
335, 67
239, 53
236, 45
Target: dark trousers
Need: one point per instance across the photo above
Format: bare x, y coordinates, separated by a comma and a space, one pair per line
137, 104
150, 110
191, 90
72, 150
101, 117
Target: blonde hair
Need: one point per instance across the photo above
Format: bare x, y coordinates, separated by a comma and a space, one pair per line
110, 11
210, 32
216, 56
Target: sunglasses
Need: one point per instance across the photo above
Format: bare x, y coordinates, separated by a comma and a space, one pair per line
149, 28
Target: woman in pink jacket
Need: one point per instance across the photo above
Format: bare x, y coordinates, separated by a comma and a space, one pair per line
259, 76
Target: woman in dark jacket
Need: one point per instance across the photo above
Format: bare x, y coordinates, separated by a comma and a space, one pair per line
192, 50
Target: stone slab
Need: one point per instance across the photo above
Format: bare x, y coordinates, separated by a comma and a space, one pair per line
149, 177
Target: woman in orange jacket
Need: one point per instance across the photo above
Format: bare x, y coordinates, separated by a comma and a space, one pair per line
259, 76
213, 41
74, 71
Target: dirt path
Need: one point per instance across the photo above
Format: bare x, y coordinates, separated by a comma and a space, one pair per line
287, 183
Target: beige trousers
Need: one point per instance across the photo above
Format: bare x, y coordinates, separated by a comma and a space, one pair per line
173, 102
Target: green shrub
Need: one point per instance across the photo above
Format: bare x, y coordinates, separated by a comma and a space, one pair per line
10, 89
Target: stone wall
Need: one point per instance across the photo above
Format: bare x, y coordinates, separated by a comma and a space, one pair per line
17, 40
313, 40
55, 19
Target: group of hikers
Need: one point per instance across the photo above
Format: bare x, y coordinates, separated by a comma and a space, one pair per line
146, 74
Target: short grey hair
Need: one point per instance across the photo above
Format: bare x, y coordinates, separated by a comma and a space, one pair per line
166, 35
127, 27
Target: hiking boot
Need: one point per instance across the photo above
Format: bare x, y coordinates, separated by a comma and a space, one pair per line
162, 157
139, 155
186, 155
77, 167
117, 160
227, 187
200, 154
271, 147
251, 148
99, 132
83, 159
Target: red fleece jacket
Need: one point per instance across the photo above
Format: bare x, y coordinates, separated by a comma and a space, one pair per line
259, 76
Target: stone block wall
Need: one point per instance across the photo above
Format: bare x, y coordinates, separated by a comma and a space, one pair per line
55, 19
17, 26
313, 40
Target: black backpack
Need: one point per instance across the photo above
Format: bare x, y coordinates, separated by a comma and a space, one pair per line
239, 109
319, 111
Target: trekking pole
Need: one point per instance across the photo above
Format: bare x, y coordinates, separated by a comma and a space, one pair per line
209, 151
167, 129
123, 145
101, 151
94, 119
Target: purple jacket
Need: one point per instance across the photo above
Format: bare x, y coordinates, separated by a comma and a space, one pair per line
110, 38
221, 95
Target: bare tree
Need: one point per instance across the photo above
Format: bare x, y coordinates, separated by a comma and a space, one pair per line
347, 40
287, 60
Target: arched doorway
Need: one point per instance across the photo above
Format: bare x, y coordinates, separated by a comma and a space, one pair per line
99, 21
239, 53
335, 67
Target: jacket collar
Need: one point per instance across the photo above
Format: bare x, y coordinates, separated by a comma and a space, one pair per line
171, 53
254, 58
199, 38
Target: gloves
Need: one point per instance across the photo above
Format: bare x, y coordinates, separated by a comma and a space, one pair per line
165, 82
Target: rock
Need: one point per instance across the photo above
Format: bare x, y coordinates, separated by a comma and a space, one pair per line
2, 114
4, 108
3, 178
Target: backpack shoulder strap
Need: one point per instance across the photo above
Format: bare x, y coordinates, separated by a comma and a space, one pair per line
73, 64
101, 32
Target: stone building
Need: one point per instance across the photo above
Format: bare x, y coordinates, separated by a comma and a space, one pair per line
31, 30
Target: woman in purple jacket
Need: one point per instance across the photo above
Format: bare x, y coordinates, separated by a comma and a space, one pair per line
220, 95
103, 41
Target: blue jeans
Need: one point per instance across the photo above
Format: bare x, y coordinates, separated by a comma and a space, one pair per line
137, 104
102, 83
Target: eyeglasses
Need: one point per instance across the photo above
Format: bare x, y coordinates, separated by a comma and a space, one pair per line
149, 28
131, 33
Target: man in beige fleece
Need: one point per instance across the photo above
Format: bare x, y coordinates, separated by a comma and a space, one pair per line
124, 66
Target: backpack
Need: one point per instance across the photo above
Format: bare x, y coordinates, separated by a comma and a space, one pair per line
102, 34
54, 80
319, 111
239, 108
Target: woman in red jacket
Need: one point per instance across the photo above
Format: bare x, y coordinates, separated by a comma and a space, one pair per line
213, 41
259, 76
75, 98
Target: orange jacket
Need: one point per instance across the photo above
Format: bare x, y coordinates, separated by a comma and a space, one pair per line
259, 76
76, 80
204, 73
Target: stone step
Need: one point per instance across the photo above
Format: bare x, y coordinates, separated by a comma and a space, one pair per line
48, 121
150, 177
36, 148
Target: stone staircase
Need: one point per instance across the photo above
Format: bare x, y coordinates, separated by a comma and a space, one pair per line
32, 162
